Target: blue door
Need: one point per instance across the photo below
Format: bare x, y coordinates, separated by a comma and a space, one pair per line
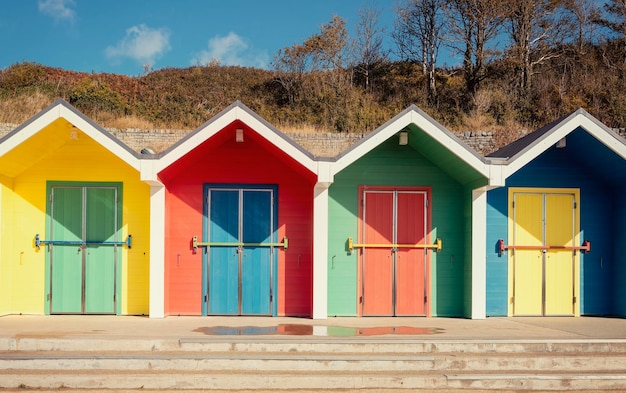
240, 227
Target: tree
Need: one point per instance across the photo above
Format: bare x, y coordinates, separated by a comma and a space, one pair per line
585, 13
368, 43
535, 29
615, 21
473, 27
290, 64
417, 32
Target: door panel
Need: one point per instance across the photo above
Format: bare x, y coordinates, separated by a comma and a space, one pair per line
559, 263
101, 223
256, 261
224, 261
528, 264
66, 260
410, 267
378, 262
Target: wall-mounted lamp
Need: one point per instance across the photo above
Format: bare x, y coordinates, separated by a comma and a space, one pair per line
239, 135
404, 138
561, 144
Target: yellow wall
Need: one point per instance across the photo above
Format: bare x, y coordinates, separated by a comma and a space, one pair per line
23, 209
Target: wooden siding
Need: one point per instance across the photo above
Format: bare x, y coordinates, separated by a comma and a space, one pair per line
393, 165
497, 265
619, 276
562, 168
221, 160
24, 215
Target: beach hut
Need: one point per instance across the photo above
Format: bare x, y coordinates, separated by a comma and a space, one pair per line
556, 228
238, 198
75, 219
406, 209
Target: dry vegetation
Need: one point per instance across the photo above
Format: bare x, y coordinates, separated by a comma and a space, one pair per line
185, 98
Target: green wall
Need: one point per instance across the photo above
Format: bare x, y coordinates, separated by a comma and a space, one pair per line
392, 165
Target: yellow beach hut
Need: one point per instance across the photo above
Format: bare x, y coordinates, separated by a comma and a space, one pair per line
75, 219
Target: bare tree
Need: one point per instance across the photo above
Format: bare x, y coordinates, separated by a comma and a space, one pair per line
585, 13
615, 20
290, 65
474, 25
417, 32
535, 30
368, 43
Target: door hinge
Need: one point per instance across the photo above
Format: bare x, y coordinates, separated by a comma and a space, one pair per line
206, 298
48, 297
512, 299
574, 300
271, 297
425, 299
513, 204
426, 202
575, 204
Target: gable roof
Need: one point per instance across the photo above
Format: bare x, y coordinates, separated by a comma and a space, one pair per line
236, 111
60, 109
414, 120
520, 152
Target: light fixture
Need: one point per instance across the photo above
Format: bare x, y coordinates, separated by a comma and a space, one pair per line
561, 143
73, 134
404, 138
239, 135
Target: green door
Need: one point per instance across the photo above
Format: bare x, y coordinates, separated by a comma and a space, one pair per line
82, 268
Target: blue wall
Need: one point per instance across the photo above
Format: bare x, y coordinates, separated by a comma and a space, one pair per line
564, 168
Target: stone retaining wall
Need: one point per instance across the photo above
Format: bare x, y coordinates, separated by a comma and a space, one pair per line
321, 144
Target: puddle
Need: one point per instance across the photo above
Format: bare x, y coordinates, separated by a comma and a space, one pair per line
309, 330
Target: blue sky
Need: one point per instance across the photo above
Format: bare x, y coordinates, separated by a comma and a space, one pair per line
121, 36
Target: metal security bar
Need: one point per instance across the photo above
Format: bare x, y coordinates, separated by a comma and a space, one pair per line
39, 242
352, 245
586, 247
284, 244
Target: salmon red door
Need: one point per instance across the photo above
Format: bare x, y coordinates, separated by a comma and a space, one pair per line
241, 226
544, 265
82, 269
393, 278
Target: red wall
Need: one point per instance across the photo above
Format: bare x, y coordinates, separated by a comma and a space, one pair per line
221, 160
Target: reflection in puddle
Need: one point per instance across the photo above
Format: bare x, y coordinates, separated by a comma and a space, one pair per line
308, 330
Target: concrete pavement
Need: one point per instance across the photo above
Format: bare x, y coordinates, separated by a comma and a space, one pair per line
136, 328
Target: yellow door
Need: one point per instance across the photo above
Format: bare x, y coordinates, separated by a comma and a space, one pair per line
544, 265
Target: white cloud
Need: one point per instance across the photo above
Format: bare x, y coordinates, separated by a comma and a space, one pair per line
58, 9
141, 43
231, 50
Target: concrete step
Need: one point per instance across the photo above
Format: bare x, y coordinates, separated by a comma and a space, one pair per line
234, 364
236, 380
310, 345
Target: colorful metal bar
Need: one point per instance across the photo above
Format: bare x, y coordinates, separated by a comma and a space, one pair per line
586, 247
39, 242
284, 244
436, 246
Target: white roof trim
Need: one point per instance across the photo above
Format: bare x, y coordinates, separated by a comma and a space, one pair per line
578, 119
61, 109
412, 115
240, 112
